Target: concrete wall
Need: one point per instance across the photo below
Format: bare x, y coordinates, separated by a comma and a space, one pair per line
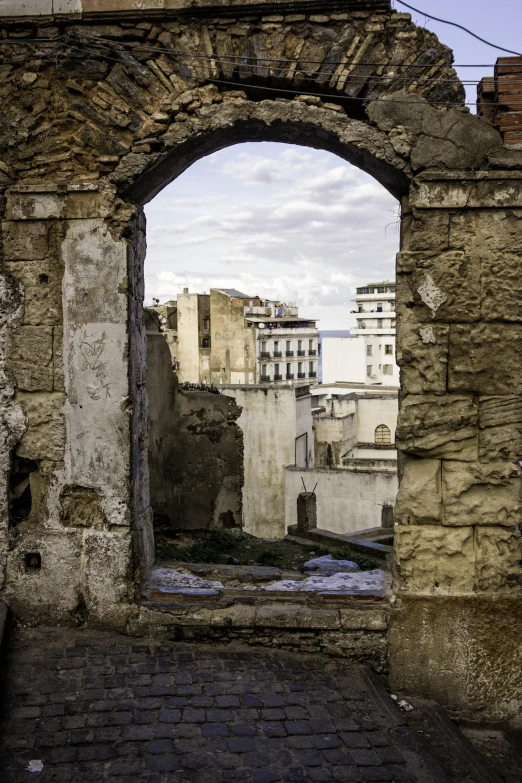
269, 423
375, 410
343, 359
347, 500
195, 450
188, 338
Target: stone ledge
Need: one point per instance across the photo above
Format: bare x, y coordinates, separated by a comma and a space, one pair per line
87, 9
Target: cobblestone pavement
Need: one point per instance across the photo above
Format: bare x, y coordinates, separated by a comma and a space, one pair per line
94, 706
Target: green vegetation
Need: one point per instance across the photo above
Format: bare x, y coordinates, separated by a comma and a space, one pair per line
219, 546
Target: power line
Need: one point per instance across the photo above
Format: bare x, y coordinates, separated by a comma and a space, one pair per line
244, 86
460, 26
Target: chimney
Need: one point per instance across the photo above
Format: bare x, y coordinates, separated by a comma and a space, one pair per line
185, 290
499, 99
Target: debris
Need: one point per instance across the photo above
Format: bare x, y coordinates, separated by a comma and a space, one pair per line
233, 561
405, 705
35, 766
327, 566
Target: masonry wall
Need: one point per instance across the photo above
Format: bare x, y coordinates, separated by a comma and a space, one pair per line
188, 338
195, 450
348, 500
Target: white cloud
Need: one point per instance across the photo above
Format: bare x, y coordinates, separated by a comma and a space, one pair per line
275, 220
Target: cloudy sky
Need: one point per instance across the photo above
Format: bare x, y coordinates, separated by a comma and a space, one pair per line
294, 223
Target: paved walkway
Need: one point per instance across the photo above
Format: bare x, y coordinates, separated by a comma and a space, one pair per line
94, 706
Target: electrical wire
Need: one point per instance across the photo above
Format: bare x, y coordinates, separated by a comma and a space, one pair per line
460, 26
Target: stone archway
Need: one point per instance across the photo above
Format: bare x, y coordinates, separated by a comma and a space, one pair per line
89, 139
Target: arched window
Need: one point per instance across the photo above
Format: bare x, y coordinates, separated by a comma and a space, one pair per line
382, 434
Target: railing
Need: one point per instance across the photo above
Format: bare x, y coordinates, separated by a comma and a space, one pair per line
312, 374
301, 375
312, 353
278, 377
289, 353
278, 354
265, 378
265, 354
301, 353
289, 376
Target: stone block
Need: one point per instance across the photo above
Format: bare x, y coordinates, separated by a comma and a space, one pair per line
441, 426
30, 344
500, 433
434, 559
363, 620
498, 559
27, 241
27, 8
29, 362
49, 594
419, 500
481, 493
464, 192
306, 512
501, 298
484, 231
45, 435
107, 575
422, 355
42, 283
485, 358
429, 231
81, 507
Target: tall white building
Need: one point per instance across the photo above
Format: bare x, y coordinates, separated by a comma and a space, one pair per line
368, 356
376, 319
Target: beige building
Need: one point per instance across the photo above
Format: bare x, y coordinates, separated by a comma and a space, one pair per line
227, 337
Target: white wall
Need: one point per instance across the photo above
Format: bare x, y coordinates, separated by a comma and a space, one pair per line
347, 500
269, 424
343, 359
188, 343
372, 411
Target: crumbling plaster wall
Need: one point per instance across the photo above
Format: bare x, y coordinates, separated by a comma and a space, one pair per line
86, 135
195, 450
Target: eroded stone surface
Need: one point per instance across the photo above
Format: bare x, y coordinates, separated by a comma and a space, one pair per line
419, 500
481, 493
444, 427
434, 559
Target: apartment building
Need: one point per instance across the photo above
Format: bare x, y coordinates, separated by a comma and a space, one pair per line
367, 354
227, 337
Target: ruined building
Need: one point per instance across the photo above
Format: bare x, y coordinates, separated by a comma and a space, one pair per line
232, 338
104, 103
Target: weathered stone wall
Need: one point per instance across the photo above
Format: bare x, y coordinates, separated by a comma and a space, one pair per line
348, 499
195, 450
92, 128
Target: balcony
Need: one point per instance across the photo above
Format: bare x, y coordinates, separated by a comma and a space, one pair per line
265, 354
278, 377
265, 379
301, 353
278, 354
312, 374
289, 353
311, 352
301, 375
289, 376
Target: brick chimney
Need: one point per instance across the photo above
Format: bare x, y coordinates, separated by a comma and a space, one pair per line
499, 99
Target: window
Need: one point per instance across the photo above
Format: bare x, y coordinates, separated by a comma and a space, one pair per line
310, 367
288, 345
299, 367
263, 346
288, 368
368, 369
382, 434
299, 345
368, 350
276, 345
388, 369
263, 369
206, 324
388, 350
310, 345
276, 369
205, 342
